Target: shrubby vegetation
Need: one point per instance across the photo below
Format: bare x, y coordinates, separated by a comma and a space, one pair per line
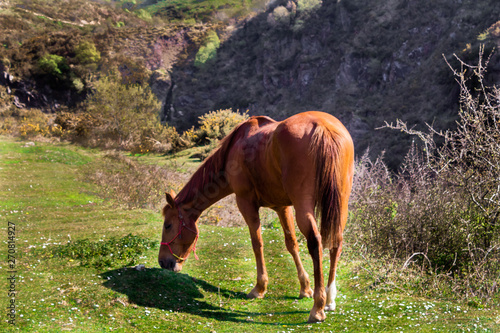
437, 220
215, 125
118, 115
212, 127
122, 116
87, 53
54, 65
207, 51
308, 5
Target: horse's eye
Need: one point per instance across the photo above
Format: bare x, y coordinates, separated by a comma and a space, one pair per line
167, 227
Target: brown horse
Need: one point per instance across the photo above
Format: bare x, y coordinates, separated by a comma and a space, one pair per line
305, 161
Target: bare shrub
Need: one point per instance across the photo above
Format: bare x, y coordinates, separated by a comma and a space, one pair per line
417, 230
402, 214
437, 218
131, 183
138, 185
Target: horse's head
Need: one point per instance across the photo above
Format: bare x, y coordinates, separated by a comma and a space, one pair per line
179, 236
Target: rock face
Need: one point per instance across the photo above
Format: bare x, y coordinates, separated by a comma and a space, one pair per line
365, 63
23, 92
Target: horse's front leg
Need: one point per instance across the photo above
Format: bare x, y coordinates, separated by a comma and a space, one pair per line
307, 225
250, 212
286, 218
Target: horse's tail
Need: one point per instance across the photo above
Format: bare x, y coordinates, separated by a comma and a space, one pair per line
327, 148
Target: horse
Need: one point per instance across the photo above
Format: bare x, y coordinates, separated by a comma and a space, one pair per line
305, 162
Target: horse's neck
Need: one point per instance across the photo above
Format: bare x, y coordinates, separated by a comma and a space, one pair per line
201, 199
209, 183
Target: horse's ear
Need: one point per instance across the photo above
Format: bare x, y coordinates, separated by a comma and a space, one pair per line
170, 198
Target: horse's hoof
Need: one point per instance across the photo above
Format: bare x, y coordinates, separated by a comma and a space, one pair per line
306, 293
255, 294
317, 317
330, 307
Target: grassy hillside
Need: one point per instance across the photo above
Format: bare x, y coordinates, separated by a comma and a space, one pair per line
47, 196
52, 49
204, 10
366, 64
89, 38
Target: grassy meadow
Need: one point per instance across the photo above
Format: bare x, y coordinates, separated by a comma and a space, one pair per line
91, 284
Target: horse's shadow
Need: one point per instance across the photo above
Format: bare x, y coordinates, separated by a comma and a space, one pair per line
176, 292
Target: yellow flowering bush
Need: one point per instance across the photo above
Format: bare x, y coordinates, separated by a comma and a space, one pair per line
32, 123
215, 125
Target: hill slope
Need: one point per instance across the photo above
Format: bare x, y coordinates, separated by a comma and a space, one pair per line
363, 62
51, 49
366, 63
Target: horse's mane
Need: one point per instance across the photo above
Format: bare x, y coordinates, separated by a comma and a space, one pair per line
211, 171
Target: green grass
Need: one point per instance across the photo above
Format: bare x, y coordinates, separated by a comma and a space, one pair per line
203, 10
44, 194
185, 161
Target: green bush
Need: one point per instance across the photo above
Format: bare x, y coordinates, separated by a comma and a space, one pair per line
144, 15
305, 6
208, 51
53, 64
105, 253
121, 116
281, 15
124, 110
86, 53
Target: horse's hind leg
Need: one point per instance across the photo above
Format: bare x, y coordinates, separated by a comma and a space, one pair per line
286, 219
331, 289
308, 227
250, 213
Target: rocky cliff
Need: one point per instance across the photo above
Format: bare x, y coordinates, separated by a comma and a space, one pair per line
364, 62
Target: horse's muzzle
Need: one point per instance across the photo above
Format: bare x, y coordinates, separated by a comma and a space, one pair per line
170, 264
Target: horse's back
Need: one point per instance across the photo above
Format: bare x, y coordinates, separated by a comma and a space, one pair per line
276, 158
297, 127
293, 135
295, 145
301, 125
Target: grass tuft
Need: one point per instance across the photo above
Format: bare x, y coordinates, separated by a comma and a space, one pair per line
105, 253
